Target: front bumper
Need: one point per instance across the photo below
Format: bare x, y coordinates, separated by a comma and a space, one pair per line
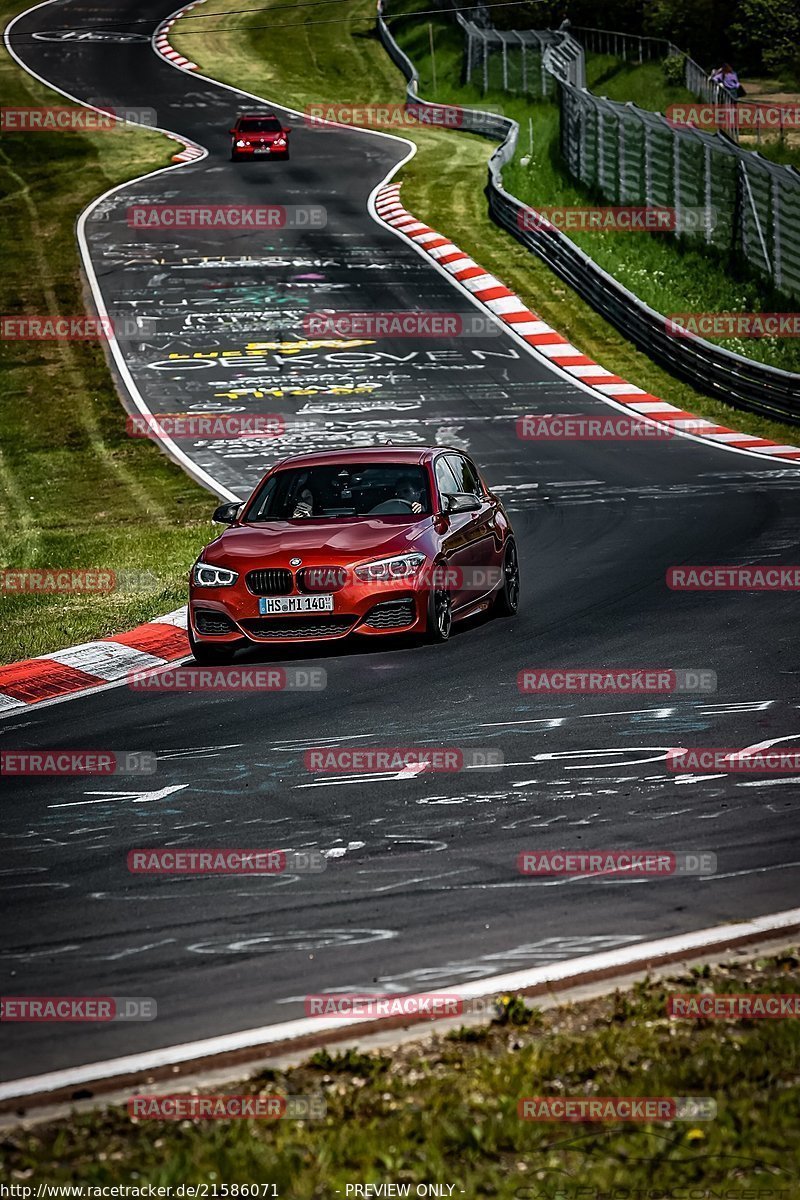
260, 151
368, 609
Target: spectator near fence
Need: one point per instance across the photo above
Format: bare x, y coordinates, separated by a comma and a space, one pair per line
727, 78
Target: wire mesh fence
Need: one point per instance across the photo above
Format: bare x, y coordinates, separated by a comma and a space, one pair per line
631, 156
510, 62
628, 155
507, 60
636, 48
715, 370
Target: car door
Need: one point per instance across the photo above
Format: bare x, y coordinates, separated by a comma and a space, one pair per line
456, 538
482, 551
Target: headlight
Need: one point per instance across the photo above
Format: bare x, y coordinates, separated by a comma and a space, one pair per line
280, 141
242, 143
401, 567
204, 575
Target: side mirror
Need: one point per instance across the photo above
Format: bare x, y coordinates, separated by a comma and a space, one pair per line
462, 502
287, 129
226, 513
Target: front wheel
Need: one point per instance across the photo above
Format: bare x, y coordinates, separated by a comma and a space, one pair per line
507, 601
207, 655
440, 615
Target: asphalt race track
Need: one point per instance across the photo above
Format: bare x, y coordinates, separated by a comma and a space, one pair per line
421, 887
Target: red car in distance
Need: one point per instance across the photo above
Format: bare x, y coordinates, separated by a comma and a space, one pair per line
259, 135
375, 542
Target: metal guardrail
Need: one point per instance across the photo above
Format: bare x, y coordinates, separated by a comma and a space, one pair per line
720, 373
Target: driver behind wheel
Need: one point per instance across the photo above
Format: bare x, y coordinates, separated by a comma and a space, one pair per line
304, 506
410, 494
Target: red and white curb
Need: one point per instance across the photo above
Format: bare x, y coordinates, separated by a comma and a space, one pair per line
162, 44
306, 1033
189, 152
508, 307
164, 50
78, 668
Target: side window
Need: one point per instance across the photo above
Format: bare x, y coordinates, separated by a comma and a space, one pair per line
466, 476
445, 480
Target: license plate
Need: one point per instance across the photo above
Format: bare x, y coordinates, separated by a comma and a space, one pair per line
261, 151
273, 606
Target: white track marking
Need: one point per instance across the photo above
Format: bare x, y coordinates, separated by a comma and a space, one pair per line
137, 797
620, 961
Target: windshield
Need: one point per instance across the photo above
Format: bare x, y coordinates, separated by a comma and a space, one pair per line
260, 125
342, 490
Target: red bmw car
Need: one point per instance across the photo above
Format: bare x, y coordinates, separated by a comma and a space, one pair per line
259, 135
374, 542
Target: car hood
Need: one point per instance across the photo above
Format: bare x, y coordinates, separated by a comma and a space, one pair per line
331, 543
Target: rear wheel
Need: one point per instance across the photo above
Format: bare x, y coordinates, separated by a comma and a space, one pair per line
507, 601
440, 614
207, 655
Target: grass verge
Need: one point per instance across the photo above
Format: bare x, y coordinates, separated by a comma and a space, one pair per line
646, 86
643, 83
75, 491
327, 60
444, 1110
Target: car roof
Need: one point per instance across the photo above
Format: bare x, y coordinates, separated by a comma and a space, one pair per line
398, 454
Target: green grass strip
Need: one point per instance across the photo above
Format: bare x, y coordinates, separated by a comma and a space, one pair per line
444, 1110
75, 490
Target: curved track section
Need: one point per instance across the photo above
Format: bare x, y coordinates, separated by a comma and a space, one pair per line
421, 888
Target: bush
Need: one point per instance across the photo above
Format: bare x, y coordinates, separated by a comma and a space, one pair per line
697, 26
674, 69
766, 36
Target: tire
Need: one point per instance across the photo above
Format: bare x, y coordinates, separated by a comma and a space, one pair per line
207, 655
440, 615
507, 601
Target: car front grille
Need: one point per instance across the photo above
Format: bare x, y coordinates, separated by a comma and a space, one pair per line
273, 581
392, 614
209, 622
271, 628
321, 579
